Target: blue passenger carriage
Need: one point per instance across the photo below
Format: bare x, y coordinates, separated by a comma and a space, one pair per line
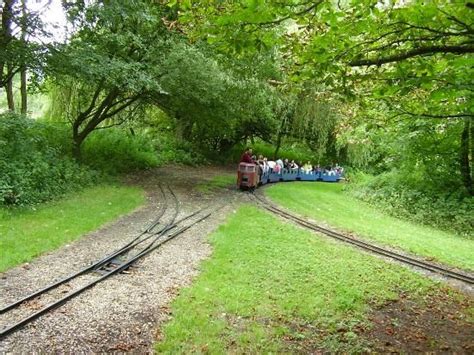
249, 177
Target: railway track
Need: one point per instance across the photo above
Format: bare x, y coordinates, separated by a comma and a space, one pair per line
264, 203
150, 239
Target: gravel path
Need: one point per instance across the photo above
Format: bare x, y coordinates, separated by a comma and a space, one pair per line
124, 312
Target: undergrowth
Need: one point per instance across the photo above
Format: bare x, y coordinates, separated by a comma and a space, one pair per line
416, 201
32, 168
119, 151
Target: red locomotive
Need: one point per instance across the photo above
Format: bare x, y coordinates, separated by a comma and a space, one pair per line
247, 176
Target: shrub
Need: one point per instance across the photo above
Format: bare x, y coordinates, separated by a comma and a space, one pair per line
33, 168
407, 196
172, 151
118, 151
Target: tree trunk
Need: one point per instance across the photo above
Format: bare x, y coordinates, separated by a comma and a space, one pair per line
87, 121
24, 97
465, 163
471, 151
279, 139
77, 139
5, 37
184, 129
278, 145
9, 90
76, 147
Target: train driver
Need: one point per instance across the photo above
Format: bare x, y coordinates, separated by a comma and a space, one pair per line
247, 157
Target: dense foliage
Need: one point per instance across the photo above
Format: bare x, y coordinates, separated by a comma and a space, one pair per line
387, 86
32, 168
118, 151
36, 163
414, 199
115, 67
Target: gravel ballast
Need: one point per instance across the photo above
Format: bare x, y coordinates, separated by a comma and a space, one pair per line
124, 312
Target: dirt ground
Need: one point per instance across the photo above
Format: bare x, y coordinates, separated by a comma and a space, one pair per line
125, 313
437, 326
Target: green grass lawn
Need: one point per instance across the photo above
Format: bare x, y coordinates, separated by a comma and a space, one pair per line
328, 203
217, 182
273, 287
27, 233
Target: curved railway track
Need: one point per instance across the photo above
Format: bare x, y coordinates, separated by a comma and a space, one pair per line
264, 203
114, 263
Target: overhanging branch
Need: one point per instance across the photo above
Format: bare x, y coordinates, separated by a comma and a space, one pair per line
412, 53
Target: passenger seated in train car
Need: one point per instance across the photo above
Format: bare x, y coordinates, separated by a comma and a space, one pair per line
271, 165
317, 169
247, 156
286, 164
293, 165
339, 169
263, 162
266, 167
280, 163
331, 172
307, 168
260, 164
277, 168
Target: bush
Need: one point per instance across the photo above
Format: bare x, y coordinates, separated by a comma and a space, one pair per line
32, 167
172, 151
407, 196
118, 151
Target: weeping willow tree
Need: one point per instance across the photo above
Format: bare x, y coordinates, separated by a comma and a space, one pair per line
65, 101
70, 98
314, 122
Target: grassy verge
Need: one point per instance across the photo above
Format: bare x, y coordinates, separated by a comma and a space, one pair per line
327, 203
272, 287
217, 182
27, 233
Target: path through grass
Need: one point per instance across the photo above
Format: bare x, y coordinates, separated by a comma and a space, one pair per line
27, 233
328, 203
273, 287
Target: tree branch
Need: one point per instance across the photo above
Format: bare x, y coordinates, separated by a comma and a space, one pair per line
412, 53
122, 107
122, 121
94, 100
429, 29
459, 115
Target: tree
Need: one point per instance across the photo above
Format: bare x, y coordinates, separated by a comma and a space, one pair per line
19, 51
116, 63
113, 60
414, 58
6, 39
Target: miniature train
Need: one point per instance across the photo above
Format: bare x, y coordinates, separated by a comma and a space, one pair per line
249, 177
